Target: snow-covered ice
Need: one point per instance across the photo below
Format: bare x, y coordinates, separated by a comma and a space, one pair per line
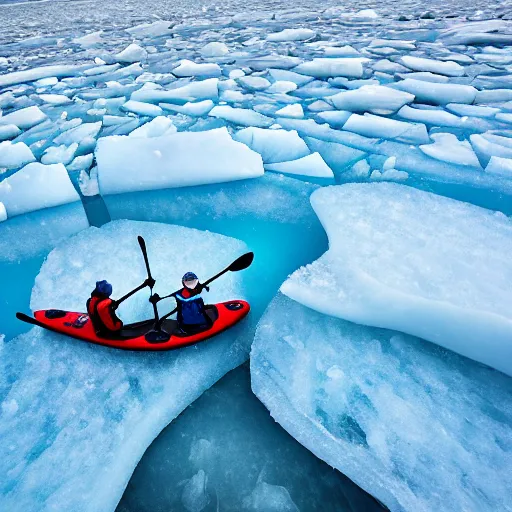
126, 164
372, 98
37, 186
74, 399
273, 145
426, 265
13, 155
382, 127
417, 426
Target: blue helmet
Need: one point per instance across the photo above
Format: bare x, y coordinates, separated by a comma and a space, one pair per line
104, 287
189, 276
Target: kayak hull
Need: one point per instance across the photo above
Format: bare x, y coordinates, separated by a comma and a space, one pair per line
79, 326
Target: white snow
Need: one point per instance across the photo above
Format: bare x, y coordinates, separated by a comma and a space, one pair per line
24, 118
292, 34
371, 98
448, 68
189, 68
448, 148
241, 116
195, 109
438, 93
37, 186
273, 145
75, 400
326, 67
142, 109
214, 49
126, 164
312, 165
424, 264
294, 111
157, 127
59, 154
131, 54
13, 155
382, 127
418, 427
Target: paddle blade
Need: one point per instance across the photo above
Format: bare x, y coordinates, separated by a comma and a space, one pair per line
241, 263
142, 243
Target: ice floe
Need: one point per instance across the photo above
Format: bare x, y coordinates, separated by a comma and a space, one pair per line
241, 116
13, 155
326, 67
423, 256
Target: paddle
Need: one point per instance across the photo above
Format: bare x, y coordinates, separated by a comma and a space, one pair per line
240, 263
142, 244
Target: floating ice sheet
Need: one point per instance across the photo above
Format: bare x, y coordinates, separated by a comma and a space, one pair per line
413, 261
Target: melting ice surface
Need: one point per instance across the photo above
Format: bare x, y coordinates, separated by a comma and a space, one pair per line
225, 452
76, 418
417, 426
390, 92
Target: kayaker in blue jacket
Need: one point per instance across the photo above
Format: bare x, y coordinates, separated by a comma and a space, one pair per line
191, 314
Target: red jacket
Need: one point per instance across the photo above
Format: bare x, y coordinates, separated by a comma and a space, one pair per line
102, 314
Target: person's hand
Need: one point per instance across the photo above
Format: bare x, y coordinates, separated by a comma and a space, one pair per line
204, 287
114, 305
149, 282
154, 298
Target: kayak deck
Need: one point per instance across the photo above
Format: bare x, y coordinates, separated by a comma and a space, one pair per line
135, 336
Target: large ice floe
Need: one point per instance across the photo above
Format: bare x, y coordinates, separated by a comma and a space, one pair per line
416, 262
37, 186
126, 164
418, 427
76, 418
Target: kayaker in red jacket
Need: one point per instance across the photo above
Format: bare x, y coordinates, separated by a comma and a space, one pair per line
102, 309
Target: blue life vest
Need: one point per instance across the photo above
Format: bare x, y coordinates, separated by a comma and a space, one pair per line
190, 310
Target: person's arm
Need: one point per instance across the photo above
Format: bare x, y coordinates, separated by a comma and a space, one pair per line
148, 282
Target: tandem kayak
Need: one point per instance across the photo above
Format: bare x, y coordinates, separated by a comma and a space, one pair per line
139, 336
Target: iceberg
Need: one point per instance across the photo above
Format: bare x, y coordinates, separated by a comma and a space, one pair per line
203, 90
325, 67
382, 127
189, 68
241, 116
14, 155
67, 399
372, 98
448, 148
127, 164
426, 265
438, 93
24, 118
273, 145
131, 54
308, 167
448, 68
292, 34
141, 109
37, 186
418, 427
31, 75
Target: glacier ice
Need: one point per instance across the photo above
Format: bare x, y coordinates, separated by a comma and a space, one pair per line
442, 265
126, 164
37, 186
85, 413
417, 426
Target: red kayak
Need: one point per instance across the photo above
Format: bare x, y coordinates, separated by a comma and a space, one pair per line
140, 335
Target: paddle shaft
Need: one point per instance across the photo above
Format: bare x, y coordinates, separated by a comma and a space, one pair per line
142, 244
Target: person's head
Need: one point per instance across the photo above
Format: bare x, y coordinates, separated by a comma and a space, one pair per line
190, 280
103, 288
